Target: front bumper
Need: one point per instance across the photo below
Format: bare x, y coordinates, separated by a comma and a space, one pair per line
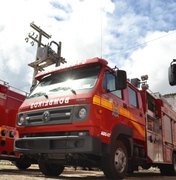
59, 145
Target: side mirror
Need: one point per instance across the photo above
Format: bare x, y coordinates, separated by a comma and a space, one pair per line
121, 79
172, 73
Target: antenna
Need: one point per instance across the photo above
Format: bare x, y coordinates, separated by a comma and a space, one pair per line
101, 33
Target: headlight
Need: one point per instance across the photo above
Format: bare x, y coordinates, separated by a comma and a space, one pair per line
12, 134
83, 133
3, 132
82, 113
21, 120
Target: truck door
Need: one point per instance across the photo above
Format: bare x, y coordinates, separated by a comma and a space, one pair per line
154, 131
135, 113
112, 99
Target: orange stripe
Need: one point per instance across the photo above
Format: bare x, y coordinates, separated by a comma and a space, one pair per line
122, 111
96, 100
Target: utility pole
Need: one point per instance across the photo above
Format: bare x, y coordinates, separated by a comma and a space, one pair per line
45, 56
38, 40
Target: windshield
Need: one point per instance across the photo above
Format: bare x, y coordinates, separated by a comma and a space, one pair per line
71, 81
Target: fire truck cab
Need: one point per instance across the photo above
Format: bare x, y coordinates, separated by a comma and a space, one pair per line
89, 115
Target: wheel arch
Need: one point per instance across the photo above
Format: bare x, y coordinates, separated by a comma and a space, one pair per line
123, 133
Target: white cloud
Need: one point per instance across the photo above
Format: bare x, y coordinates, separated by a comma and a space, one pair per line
89, 28
82, 33
154, 60
79, 30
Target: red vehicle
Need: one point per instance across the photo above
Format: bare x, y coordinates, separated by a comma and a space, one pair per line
10, 100
89, 115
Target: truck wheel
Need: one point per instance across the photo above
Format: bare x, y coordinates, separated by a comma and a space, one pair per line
131, 168
165, 170
115, 165
173, 166
22, 163
169, 170
49, 169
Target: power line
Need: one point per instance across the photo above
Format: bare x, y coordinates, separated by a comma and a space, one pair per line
151, 40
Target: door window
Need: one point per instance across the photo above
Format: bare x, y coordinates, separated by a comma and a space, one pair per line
132, 97
109, 84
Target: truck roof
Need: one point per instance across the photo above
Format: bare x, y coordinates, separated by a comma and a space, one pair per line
39, 76
5, 85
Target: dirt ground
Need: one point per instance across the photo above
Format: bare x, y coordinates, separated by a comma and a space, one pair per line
9, 172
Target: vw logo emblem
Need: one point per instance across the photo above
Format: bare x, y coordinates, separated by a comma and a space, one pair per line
46, 116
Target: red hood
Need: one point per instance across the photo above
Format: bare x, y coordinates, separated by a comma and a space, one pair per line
55, 101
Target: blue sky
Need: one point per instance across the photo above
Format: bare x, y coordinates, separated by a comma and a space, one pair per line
138, 36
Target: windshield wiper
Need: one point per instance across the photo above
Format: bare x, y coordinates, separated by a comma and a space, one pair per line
64, 89
73, 91
39, 94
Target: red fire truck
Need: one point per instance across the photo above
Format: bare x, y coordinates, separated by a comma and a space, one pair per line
10, 100
89, 115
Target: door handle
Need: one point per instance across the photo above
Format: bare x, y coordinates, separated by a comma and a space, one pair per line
125, 105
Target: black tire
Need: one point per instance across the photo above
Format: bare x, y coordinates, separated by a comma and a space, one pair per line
169, 170
115, 165
173, 169
49, 169
22, 163
165, 170
131, 168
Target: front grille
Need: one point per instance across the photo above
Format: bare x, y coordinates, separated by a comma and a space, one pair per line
58, 134
48, 116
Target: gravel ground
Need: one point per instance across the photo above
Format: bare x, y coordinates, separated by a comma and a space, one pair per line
9, 172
